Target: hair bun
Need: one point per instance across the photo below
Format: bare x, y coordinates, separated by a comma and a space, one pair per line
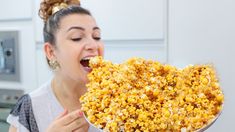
46, 7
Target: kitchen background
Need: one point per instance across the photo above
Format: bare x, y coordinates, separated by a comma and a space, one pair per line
178, 32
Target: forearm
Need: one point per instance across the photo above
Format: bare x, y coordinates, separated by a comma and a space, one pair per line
12, 129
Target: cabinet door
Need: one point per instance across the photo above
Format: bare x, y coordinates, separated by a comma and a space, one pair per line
122, 19
128, 19
15, 9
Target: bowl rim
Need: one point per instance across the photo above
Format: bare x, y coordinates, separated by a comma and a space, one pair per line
212, 121
205, 127
91, 124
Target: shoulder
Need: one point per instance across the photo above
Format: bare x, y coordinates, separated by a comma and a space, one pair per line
24, 115
24, 103
21, 116
41, 91
41, 97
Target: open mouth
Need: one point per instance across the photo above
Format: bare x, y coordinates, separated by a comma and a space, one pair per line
85, 62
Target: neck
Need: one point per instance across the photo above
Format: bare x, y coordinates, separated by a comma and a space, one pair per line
68, 92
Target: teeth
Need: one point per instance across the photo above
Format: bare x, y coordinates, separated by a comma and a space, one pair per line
86, 58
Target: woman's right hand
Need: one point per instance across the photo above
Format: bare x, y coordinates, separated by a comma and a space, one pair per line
69, 122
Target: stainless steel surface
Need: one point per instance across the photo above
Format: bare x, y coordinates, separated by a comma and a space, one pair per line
4, 112
9, 56
199, 130
4, 127
211, 122
92, 125
8, 98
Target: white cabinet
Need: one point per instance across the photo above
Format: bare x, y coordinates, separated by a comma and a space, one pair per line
15, 9
128, 19
122, 19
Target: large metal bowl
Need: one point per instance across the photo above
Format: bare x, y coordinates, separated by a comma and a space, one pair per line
199, 130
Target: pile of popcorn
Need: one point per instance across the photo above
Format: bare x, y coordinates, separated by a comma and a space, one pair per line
147, 96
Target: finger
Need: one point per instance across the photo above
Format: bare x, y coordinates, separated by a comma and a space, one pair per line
77, 125
65, 112
70, 117
83, 129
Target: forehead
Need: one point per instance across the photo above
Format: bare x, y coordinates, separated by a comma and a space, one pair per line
80, 20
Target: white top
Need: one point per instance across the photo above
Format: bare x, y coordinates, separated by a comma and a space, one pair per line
36, 110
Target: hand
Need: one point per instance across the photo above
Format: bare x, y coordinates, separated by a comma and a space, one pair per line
69, 122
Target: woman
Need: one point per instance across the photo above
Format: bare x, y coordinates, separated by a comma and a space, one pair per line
71, 37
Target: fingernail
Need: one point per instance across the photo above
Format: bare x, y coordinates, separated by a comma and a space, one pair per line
80, 113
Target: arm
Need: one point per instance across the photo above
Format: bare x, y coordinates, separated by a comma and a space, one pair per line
12, 129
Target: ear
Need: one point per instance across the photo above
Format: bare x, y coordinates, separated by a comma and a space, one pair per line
49, 50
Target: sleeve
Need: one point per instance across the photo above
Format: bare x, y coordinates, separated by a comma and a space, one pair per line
22, 117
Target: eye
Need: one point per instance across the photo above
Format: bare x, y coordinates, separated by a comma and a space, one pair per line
76, 39
97, 38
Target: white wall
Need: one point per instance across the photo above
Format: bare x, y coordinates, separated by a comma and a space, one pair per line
203, 31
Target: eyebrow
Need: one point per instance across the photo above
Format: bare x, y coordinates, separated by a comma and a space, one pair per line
81, 28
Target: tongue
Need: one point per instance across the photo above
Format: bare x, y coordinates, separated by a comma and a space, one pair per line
85, 63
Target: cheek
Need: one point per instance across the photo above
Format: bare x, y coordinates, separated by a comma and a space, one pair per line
69, 58
101, 49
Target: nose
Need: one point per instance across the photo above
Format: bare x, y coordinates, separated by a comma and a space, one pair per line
91, 44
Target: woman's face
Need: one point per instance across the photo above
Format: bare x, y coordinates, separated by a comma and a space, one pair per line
77, 40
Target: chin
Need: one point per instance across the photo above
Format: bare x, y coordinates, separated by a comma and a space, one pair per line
85, 80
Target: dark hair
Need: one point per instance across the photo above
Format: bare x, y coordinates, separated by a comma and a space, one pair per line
53, 22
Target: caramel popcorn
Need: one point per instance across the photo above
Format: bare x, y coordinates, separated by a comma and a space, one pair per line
147, 96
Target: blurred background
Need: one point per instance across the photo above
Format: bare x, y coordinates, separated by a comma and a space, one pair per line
178, 32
